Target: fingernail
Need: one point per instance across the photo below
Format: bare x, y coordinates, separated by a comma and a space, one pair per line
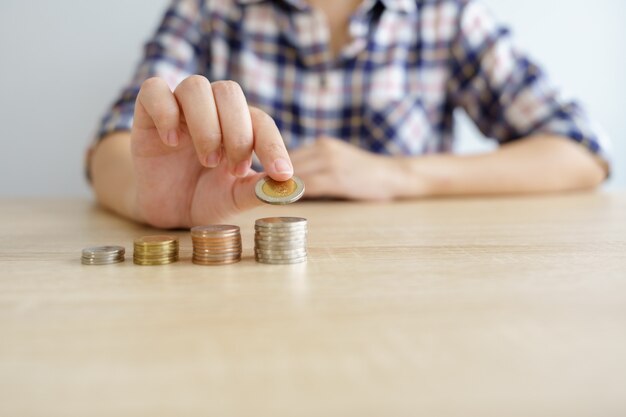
282, 166
213, 159
241, 170
172, 138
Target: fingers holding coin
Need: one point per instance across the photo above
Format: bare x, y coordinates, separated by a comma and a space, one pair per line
222, 126
269, 146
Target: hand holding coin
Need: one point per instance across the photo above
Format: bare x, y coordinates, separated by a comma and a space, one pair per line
192, 150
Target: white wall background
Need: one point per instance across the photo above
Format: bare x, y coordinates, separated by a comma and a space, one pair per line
62, 62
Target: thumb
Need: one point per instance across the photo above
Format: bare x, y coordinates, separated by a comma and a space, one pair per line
243, 191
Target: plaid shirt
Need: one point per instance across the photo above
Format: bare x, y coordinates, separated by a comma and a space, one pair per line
391, 90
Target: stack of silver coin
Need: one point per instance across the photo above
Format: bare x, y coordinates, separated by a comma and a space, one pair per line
280, 240
102, 255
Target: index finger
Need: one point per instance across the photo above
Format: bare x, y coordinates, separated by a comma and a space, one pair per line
157, 108
269, 146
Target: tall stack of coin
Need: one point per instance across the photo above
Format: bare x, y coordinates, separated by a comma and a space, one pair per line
102, 255
155, 250
280, 240
216, 244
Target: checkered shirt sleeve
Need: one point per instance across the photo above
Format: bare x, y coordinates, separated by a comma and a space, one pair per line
506, 94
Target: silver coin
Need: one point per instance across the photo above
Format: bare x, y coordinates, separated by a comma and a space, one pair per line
101, 262
95, 251
280, 232
279, 243
288, 226
86, 261
280, 221
280, 252
281, 262
279, 247
295, 229
280, 237
261, 255
103, 257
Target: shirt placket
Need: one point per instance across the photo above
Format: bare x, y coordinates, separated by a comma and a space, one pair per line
312, 39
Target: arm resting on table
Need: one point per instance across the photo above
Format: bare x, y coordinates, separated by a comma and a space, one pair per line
531, 165
113, 176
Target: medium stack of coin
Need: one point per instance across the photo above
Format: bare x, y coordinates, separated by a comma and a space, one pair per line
280, 240
102, 255
216, 244
155, 250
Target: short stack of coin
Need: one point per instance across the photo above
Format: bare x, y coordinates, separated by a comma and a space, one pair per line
102, 255
155, 250
280, 240
216, 244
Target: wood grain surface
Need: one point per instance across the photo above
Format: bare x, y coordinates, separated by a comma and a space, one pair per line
468, 307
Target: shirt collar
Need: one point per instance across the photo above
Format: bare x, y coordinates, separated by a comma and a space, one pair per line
406, 6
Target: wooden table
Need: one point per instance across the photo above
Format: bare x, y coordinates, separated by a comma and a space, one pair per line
473, 307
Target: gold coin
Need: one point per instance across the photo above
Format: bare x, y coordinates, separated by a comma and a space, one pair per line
163, 261
279, 189
156, 240
279, 192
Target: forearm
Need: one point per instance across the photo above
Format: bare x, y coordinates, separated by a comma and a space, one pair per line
113, 176
532, 165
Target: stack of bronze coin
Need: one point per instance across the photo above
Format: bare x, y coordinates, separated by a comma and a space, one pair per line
102, 255
156, 250
280, 240
216, 244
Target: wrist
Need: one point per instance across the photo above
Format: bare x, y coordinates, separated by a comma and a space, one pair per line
412, 175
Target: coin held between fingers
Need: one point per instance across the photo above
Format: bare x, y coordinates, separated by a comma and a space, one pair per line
279, 192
